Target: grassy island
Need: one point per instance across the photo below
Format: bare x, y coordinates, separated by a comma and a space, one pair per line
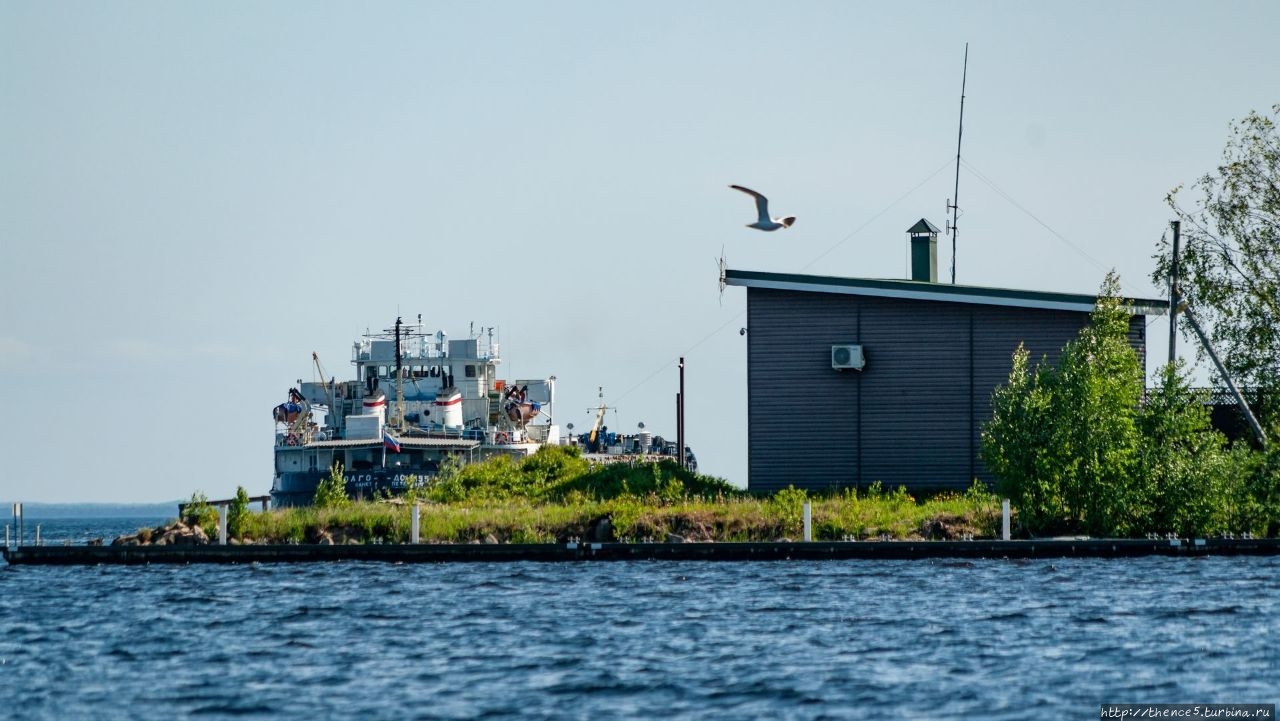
556, 495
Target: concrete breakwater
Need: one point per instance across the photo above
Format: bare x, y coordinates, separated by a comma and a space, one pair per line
560, 552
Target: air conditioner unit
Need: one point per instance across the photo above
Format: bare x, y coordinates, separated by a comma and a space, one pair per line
844, 357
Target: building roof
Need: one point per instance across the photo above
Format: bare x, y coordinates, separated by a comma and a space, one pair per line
923, 227
941, 292
404, 442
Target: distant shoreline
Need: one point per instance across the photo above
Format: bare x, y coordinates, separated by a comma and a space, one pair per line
39, 511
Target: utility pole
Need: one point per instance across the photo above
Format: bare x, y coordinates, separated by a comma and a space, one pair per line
1173, 291
680, 417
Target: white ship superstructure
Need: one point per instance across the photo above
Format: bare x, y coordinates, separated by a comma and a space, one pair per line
417, 399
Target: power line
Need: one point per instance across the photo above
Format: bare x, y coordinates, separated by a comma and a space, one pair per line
825, 253
1008, 198
876, 217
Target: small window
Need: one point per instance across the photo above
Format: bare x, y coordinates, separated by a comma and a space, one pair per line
470, 371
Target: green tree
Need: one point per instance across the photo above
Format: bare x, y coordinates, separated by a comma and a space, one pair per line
1190, 476
1018, 447
1230, 256
1063, 442
331, 492
238, 512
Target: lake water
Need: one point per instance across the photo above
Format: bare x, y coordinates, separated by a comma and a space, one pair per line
643, 640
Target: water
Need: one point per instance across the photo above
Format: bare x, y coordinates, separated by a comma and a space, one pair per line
791, 640
79, 531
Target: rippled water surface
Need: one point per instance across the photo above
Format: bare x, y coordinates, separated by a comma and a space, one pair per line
805, 640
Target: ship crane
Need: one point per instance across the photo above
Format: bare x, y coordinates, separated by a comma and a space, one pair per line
325, 380
593, 438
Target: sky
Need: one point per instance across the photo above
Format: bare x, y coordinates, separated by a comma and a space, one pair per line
194, 197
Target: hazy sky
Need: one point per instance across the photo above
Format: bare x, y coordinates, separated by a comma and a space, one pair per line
196, 196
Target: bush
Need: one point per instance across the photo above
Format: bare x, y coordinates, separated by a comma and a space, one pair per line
199, 513
237, 512
331, 492
1076, 449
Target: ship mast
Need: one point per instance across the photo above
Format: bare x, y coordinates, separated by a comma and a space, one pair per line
399, 417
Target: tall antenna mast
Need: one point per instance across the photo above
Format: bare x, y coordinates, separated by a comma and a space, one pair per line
954, 207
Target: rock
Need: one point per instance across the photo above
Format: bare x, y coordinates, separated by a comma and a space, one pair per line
95, 541
490, 539
600, 530
124, 540
674, 538
199, 537
161, 541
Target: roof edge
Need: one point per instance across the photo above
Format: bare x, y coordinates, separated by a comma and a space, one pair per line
920, 290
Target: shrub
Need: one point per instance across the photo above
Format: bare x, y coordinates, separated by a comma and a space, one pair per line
237, 512
332, 489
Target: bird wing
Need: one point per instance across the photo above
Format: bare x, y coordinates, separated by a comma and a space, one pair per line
762, 203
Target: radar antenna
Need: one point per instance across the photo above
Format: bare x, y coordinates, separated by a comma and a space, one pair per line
721, 265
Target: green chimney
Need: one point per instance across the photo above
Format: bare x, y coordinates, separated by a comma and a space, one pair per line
924, 251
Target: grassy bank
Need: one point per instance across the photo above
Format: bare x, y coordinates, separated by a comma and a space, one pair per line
556, 495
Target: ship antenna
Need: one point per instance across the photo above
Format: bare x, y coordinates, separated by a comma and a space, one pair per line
954, 207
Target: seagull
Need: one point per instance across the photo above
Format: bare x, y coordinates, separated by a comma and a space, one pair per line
762, 207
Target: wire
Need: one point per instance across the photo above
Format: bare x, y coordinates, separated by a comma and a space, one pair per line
825, 253
1008, 198
876, 217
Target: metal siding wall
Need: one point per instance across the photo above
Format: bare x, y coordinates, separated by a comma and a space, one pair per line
997, 332
915, 411
802, 415
924, 397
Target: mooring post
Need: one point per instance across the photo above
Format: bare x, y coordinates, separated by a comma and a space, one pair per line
1004, 519
413, 526
808, 522
222, 525
19, 522
37, 534
6, 535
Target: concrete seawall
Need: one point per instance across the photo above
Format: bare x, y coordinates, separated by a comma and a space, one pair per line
782, 551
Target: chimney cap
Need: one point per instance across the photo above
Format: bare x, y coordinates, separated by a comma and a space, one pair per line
923, 227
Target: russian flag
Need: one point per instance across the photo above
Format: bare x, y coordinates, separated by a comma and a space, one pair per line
390, 442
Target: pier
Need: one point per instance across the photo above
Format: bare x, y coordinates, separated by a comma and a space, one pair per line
588, 552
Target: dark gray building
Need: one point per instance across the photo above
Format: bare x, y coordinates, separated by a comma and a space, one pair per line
855, 380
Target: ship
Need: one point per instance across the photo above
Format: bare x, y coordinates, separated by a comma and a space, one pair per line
418, 399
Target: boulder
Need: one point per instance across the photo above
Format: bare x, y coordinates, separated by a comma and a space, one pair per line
600, 530
675, 538
490, 539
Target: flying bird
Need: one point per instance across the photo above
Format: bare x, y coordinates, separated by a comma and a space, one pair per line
762, 207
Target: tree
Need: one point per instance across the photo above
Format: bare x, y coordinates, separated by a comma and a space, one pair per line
1190, 477
1229, 264
331, 492
237, 512
1064, 442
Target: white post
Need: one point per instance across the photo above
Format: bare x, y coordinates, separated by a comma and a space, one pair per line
1004, 519
37, 534
222, 525
6, 535
808, 522
413, 527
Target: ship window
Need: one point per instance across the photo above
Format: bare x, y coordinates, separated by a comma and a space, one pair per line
313, 461
470, 371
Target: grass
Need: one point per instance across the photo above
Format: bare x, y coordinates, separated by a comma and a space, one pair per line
735, 517
555, 495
